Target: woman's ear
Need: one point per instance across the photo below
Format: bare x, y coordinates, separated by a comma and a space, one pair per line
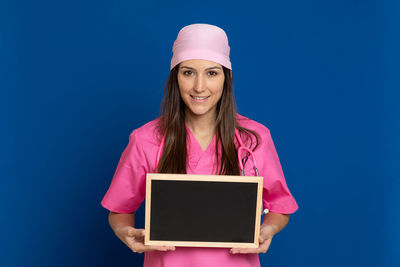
231, 73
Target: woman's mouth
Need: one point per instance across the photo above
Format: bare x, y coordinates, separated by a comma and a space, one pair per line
199, 98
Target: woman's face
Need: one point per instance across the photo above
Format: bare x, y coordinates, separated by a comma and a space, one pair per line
200, 84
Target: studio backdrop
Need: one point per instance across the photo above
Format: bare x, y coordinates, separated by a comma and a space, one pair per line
77, 77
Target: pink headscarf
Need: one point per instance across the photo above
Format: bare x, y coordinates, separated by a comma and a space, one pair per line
201, 41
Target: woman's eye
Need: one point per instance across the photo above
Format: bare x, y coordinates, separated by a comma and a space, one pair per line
188, 72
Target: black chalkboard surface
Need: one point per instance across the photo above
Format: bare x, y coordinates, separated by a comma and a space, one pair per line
203, 210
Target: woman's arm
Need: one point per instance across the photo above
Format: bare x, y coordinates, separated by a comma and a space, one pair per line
272, 224
117, 220
276, 221
123, 225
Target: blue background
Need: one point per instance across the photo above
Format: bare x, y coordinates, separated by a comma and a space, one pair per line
76, 77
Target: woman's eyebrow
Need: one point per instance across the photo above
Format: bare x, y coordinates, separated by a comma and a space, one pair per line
214, 67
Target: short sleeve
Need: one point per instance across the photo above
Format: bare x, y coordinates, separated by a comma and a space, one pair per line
128, 187
276, 195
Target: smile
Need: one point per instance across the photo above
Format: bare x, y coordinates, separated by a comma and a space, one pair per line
199, 98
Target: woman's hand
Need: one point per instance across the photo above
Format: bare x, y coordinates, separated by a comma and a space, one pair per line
134, 239
264, 241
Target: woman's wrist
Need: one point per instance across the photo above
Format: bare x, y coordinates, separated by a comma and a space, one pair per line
272, 228
274, 222
119, 222
267, 231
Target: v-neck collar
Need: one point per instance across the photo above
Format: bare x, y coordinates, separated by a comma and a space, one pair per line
191, 135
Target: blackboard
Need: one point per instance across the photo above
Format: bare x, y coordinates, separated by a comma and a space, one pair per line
203, 210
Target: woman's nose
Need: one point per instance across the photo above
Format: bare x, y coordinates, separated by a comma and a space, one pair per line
199, 85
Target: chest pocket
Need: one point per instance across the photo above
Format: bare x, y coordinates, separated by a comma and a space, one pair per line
250, 171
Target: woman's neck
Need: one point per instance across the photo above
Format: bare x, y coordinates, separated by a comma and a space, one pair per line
202, 125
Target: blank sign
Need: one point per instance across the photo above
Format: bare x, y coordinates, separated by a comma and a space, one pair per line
203, 210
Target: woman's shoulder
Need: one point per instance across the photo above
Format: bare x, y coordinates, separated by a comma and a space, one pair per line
147, 132
253, 125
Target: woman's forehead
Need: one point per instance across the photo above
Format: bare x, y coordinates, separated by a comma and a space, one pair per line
199, 64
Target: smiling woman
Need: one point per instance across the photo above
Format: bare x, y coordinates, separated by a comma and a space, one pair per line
199, 132
200, 85
199, 96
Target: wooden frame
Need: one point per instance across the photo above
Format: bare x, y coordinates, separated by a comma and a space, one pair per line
207, 178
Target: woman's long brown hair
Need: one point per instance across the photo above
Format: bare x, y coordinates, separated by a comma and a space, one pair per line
172, 125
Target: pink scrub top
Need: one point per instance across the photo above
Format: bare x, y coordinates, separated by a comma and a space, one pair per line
128, 187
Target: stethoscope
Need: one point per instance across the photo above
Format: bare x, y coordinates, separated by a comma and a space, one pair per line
240, 150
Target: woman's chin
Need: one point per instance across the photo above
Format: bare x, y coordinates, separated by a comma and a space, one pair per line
199, 112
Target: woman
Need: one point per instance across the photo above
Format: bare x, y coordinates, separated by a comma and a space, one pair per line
196, 134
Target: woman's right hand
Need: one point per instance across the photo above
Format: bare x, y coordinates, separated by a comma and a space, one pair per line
134, 239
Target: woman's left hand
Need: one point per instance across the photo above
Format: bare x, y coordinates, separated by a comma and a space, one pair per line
264, 241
